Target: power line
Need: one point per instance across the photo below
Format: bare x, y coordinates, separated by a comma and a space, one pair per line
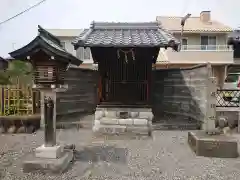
26, 10
185, 7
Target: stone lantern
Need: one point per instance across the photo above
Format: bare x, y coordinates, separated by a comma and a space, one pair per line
50, 61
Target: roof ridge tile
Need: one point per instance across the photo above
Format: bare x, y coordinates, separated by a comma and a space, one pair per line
138, 34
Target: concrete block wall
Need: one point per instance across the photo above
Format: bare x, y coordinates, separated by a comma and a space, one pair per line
180, 95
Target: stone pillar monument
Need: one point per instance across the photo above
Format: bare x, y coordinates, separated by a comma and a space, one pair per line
210, 116
209, 141
50, 156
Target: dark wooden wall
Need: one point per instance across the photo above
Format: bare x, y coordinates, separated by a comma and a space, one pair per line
80, 98
3, 64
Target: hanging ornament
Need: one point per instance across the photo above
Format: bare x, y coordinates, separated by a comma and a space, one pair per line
126, 52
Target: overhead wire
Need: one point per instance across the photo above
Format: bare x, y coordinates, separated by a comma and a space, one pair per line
185, 7
22, 12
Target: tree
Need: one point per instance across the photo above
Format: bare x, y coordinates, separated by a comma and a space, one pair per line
4, 79
17, 72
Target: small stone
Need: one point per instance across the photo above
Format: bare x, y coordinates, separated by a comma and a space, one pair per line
12, 129
134, 114
22, 129
30, 129
226, 130
222, 122
232, 123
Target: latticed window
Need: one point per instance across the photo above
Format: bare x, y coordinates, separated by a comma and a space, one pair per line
46, 74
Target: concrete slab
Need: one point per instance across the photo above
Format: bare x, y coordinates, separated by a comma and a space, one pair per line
32, 163
53, 152
221, 146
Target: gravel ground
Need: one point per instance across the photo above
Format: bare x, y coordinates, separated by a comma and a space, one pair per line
166, 156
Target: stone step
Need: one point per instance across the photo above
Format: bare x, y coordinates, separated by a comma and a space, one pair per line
175, 126
126, 136
88, 125
121, 130
128, 121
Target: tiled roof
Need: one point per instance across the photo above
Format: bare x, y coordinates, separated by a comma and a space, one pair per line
9, 58
47, 42
3, 59
193, 24
103, 34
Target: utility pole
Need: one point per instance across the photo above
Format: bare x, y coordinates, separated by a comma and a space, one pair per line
183, 20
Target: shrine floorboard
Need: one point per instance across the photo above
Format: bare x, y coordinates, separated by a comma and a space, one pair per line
165, 156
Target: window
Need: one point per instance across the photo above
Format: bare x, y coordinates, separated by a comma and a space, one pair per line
212, 42
87, 53
184, 43
208, 42
84, 53
231, 78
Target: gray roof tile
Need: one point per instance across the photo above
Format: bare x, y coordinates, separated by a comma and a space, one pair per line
124, 35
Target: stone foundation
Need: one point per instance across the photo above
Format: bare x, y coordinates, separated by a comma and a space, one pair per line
32, 163
123, 121
220, 146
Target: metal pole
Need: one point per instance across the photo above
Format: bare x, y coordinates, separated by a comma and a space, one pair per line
182, 33
183, 20
50, 138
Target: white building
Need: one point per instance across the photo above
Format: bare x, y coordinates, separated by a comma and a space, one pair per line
66, 37
204, 40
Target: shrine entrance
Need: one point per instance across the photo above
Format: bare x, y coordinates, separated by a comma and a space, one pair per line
126, 79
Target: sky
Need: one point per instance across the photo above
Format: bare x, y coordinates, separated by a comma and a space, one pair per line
78, 14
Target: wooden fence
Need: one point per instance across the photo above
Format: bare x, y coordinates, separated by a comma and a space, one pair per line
19, 100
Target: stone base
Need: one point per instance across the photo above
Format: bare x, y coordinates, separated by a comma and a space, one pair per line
220, 146
32, 163
119, 121
49, 152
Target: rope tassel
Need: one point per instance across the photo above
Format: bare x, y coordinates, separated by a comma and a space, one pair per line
126, 54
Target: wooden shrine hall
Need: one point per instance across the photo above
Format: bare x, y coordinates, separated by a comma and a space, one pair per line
125, 54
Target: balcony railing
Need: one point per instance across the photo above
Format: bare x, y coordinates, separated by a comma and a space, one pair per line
206, 48
228, 98
195, 54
